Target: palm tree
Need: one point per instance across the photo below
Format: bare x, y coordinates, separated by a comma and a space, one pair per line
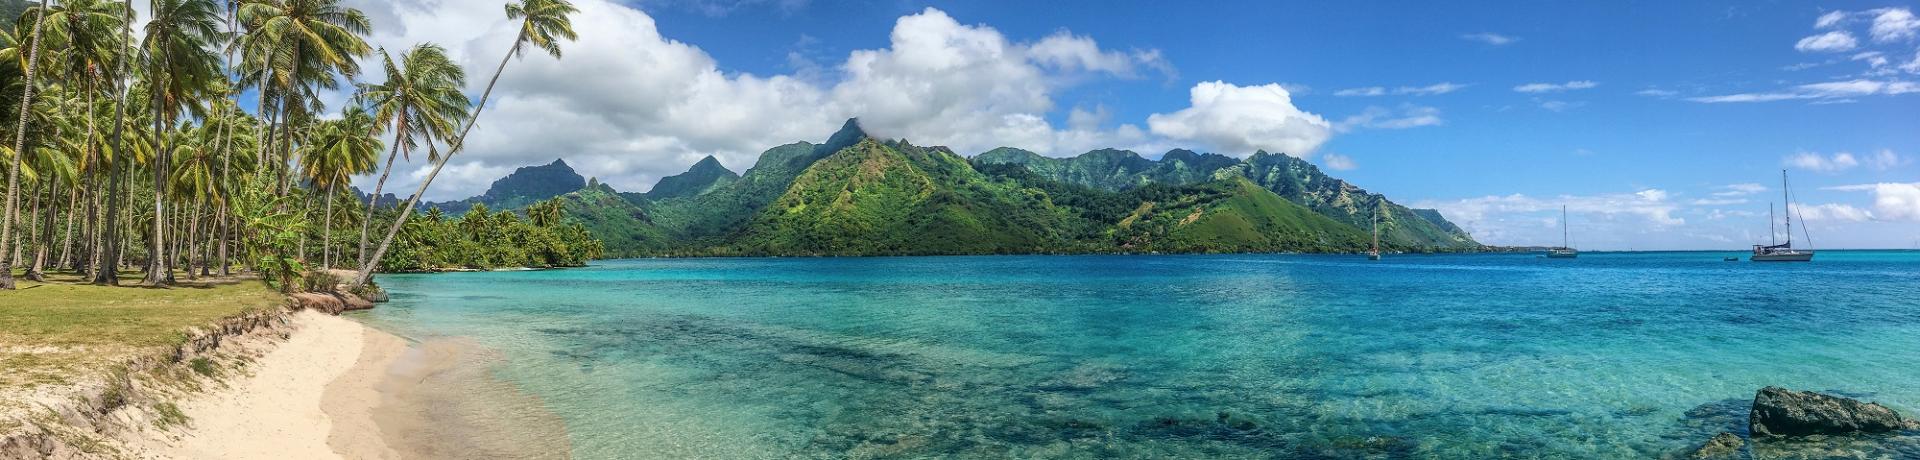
421, 100
294, 48
543, 24
341, 149
182, 67
19, 147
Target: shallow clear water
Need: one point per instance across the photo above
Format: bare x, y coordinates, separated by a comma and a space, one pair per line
1287, 356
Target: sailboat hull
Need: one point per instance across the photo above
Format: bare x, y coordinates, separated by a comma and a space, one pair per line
1562, 255
1785, 257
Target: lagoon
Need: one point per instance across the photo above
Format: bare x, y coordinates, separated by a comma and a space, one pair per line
1612, 355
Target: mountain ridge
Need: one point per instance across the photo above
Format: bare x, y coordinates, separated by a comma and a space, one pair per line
859, 195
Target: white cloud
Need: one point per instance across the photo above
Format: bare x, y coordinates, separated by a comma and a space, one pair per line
1885, 159
1490, 38
1367, 91
1832, 18
1812, 161
1555, 87
1873, 59
1894, 24
1833, 212
628, 105
1829, 42
1717, 201
1610, 220
1656, 92
1833, 91
1240, 119
1740, 189
1429, 90
1407, 116
1892, 201
1338, 162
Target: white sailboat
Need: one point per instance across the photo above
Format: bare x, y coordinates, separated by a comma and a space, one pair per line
1783, 252
1566, 250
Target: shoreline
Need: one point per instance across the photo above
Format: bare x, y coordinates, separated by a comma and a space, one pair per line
336, 388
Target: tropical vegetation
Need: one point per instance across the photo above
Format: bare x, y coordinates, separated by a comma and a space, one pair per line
134, 152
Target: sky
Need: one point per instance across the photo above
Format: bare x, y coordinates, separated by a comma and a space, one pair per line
1659, 125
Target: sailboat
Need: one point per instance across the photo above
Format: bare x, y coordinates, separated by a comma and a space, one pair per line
1783, 252
1375, 253
1566, 250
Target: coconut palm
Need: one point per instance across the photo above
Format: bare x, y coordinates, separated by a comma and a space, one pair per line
421, 100
340, 149
543, 24
294, 48
19, 145
182, 66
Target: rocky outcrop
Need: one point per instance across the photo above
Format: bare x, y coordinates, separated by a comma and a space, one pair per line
1723, 445
1782, 412
329, 302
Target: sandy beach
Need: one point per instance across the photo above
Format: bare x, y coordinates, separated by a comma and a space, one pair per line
336, 389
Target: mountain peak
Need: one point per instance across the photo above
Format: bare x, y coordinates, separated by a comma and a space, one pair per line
703, 177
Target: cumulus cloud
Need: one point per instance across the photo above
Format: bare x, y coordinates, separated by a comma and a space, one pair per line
1829, 42
1891, 201
1555, 87
629, 105
1407, 116
1240, 119
1490, 38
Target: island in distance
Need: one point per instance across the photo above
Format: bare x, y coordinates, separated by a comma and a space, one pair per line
857, 195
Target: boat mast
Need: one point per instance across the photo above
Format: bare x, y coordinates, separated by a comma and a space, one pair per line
1773, 227
1789, 207
1563, 228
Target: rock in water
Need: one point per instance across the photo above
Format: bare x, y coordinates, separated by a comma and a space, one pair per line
1723, 445
1782, 412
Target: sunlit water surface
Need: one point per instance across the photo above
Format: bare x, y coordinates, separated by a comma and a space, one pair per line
1288, 356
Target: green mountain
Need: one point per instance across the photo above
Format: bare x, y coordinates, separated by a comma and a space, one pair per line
859, 195
1291, 178
525, 186
705, 176
876, 198
708, 218
623, 227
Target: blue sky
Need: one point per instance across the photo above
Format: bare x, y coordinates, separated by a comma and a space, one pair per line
1663, 124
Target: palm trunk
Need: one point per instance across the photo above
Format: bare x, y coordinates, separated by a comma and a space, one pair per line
74, 213
43, 235
366, 271
158, 268
373, 200
326, 235
19, 154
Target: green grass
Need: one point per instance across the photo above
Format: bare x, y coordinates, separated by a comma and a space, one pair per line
60, 331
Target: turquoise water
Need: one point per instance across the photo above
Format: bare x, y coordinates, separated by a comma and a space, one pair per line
1288, 356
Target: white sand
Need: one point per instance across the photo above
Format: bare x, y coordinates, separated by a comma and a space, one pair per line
312, 392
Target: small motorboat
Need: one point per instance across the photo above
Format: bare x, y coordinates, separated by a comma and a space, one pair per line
1731, 259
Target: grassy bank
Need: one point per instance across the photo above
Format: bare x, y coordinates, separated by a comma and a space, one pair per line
56, 332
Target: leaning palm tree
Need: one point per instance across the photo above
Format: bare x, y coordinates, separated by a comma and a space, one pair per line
421, 100
543, 24
19, 147
341, 149
182, 67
